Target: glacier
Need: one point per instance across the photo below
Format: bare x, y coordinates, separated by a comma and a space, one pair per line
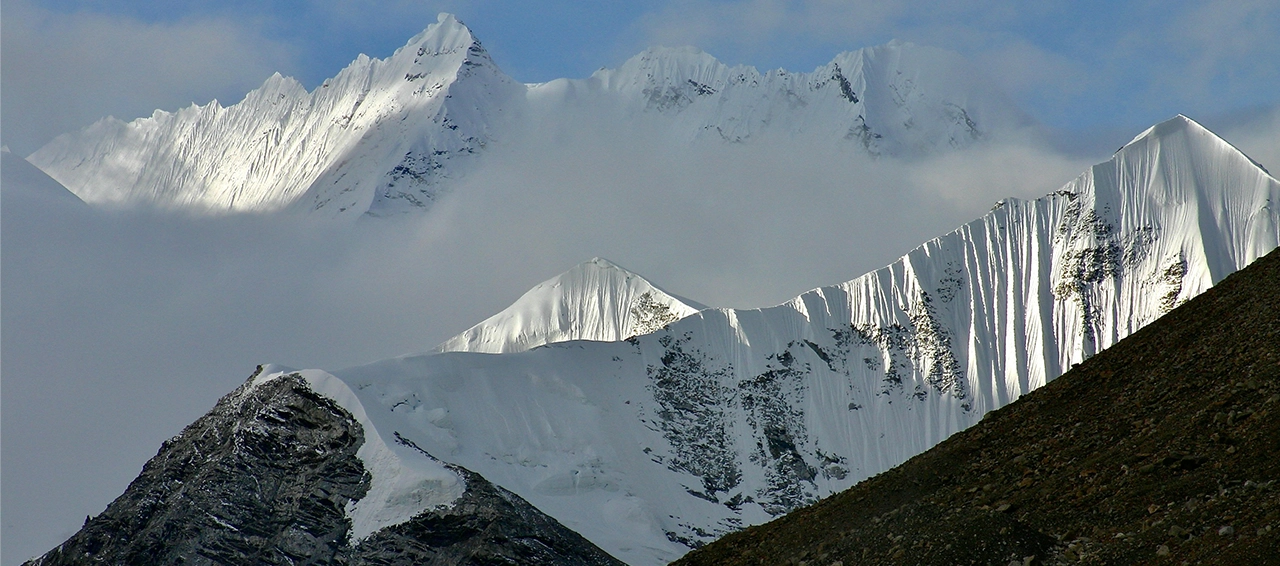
388, 136
724, 418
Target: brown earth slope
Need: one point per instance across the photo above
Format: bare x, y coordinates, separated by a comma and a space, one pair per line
1164, 449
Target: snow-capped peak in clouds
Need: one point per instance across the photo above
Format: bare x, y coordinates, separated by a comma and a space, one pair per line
596, 300
387, 136
381, 137
896, 99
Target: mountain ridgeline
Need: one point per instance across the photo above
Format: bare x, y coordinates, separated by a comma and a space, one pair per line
389, 136
651, 426
600, 418
730, 417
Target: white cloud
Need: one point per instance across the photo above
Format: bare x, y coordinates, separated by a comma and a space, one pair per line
62, 72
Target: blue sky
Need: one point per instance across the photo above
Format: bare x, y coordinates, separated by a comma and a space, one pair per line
1081, 66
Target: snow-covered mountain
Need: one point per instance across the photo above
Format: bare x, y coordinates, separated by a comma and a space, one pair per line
596, 300
380, 137
727, 417
895, 99
391, 135
724, 418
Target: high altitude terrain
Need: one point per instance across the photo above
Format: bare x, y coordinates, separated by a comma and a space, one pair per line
1159, 450
641, 421
658, 427
286, 469
388, 136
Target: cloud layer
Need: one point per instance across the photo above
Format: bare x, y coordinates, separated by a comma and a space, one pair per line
121, 327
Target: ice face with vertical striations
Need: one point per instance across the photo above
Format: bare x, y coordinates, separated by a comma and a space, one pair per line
596, 300
728, 417
388, 136
381, 137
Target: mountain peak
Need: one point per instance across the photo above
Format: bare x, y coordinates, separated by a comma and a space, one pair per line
1172, 126
1189, 133
447, 33
594, 300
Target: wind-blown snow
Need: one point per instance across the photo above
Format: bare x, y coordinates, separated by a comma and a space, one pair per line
596, 300
387, 136
404, 481
728, 417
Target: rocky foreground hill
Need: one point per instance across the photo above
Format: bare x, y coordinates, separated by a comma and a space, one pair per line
1160, 450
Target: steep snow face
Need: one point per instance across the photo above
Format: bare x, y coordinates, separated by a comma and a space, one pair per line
386, 136
403, 481
381, 137
895, 99
727, 418
596, 300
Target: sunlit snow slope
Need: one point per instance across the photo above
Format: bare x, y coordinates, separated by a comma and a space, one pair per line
596, 300
728, 417
380, 137
392, 135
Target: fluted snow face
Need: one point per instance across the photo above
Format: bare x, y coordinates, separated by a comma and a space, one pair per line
727, 417
386, 136
380, 137
596, 300
895, 99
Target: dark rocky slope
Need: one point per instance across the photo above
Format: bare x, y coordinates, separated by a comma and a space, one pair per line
264, 478
1164, 449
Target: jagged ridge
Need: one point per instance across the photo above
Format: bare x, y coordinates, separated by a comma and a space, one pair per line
379, 137
391, 135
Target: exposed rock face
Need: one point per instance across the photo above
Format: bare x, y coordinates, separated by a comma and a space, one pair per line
266, 477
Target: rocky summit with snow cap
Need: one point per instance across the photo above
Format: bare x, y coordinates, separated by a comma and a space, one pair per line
389, 136
288, 469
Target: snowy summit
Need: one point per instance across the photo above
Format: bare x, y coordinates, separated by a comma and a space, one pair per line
596, 300
389, 136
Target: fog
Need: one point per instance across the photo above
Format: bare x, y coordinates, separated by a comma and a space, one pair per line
122, 326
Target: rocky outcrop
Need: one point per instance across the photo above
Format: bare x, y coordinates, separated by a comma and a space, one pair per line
268, 477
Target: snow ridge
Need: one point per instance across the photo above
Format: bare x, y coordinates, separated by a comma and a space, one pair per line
897, 99
596, 300
729, 417
380, 137
389, 136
